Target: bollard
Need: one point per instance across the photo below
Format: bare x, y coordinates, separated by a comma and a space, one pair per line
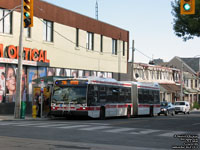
23, 109
34, 111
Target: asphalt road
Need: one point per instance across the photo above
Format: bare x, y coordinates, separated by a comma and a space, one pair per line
142, 133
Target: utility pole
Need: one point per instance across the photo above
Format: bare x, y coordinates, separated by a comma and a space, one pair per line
19, 70
181, 95
132, 64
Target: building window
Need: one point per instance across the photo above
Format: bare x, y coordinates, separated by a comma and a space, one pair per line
28, 32
90, 40
6, 23
101, 43
123, 48
77, 37
114, 46
48, 31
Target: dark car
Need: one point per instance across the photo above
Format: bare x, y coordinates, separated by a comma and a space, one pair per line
166, 108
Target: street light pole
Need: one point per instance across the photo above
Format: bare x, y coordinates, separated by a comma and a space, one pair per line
19, 70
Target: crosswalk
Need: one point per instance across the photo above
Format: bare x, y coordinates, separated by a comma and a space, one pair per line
102, 127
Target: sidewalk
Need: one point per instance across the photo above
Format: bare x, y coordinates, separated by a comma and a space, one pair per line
27, 117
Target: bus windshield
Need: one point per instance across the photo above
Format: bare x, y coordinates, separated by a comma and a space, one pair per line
69, 94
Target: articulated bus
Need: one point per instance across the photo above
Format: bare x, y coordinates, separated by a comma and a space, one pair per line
145, 97
101, 98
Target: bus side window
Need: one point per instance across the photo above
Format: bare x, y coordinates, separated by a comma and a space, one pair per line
102, 94
156, 97
115, 93
109, 97
140, 96
93, 95
122, 96
128, 97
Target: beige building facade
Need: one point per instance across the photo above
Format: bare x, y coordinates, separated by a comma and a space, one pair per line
60, 43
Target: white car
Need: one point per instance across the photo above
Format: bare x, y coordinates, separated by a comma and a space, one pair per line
182, 107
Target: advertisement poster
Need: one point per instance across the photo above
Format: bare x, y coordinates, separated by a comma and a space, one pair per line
10, 83
2, 83
87, 73
32, 75
24, 84
51, 71
42, 72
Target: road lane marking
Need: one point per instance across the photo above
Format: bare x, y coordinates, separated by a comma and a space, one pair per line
30, 124
51, 125
172, 133
148, 131
119, 130
95, 128
75, 126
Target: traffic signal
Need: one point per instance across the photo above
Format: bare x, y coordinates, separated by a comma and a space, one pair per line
187, 7
28, 13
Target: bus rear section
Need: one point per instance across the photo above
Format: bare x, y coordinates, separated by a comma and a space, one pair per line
147, 101
93, 97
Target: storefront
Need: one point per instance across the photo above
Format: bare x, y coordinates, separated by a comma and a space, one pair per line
35, 65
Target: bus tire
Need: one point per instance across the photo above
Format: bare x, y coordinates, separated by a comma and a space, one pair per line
102, 113
128, 111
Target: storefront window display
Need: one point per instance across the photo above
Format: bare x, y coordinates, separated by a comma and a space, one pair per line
51, 71
86, 73
60, 72
32, 75
67, 72
74, 73
11, 83
80, 73
42, 72
2, 82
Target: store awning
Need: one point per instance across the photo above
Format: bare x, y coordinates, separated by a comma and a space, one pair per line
191, 91
173, 88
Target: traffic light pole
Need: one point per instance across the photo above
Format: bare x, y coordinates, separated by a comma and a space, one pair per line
19, 70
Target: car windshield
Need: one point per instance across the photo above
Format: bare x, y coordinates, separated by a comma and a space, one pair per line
69, 94
180, 103
164, 104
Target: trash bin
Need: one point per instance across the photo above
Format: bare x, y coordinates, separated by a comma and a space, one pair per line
23, 109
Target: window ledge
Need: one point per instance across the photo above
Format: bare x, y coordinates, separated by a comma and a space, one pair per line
46, 42
28, 39
5, 34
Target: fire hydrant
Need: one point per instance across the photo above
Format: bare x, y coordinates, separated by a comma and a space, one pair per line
34, 111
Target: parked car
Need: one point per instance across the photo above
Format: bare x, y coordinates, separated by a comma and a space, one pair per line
182, 107
166, 108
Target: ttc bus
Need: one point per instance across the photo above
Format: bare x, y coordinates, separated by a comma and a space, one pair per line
101, 98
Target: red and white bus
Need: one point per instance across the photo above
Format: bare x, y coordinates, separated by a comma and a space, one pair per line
92, 96
101, 98
145, 97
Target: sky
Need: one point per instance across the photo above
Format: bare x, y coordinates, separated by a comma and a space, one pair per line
149, 22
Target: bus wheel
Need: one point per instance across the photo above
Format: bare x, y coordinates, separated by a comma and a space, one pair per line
128, 111
102, 113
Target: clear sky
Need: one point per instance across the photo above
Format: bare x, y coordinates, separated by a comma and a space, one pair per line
149, 22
